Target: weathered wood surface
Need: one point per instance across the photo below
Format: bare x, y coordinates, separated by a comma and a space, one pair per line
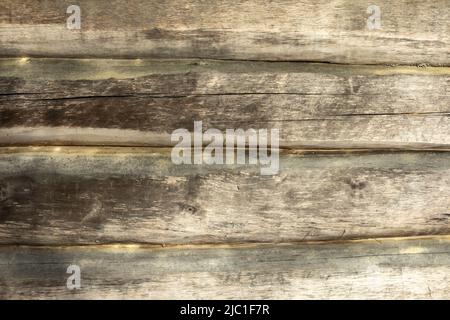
57, 196
411, 32
382, 269
140, 102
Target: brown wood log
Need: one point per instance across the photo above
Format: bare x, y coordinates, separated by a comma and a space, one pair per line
376, 269
141, 102
412, 32
54, 196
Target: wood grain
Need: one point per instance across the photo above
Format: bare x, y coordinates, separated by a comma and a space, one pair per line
140, 102
359, 209
412, 32
380, 269
55, 196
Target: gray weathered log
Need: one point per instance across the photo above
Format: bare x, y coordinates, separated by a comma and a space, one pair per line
412, 32
140, 102
74, 195
380, 269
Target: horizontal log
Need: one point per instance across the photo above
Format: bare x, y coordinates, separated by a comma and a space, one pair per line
411, 32
73, 195
380, 269
140, 102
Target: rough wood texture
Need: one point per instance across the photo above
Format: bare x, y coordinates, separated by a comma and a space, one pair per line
365, 149
308, 30
88, 195
388, 269
140, 102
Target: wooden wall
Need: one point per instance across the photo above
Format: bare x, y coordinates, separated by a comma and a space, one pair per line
359, 209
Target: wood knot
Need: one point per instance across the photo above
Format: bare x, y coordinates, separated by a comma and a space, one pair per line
189, 209
356, 184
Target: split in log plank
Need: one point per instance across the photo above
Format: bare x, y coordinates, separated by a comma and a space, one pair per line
141, 102
412, 32
377, 269
71, 195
